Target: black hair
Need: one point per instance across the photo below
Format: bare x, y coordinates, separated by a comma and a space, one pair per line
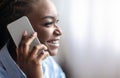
11, 10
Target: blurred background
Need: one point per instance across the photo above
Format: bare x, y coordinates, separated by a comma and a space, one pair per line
90, 45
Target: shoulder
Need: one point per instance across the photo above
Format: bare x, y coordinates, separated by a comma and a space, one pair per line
7, 65
3, 72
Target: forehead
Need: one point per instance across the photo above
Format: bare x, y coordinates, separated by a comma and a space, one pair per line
44, 8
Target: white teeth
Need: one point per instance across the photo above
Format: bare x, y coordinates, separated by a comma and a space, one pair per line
55, 42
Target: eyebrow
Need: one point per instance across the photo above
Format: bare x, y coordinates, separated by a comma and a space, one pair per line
48, 17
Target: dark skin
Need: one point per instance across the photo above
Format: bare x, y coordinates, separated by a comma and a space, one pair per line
43, 19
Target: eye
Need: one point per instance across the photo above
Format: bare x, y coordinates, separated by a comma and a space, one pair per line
48, 24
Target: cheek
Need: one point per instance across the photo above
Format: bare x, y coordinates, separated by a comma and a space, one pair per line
43, 37
43, 34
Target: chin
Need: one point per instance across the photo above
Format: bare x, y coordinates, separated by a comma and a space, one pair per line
53, 52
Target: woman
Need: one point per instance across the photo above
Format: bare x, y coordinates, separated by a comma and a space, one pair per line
21, 62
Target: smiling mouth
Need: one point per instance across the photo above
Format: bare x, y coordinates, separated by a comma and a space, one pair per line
53, 43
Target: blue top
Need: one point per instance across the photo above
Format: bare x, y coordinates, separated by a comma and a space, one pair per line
9, 69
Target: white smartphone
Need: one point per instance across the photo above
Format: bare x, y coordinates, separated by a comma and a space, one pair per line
18, 27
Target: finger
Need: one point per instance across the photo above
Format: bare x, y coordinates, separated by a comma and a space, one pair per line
43, 56
19, 55
26, 44
19, 52
31, 38
24, 37
29, 41
37, 50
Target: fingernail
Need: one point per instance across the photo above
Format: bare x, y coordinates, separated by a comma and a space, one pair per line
46, 48
25, 33
42, 51
35, 34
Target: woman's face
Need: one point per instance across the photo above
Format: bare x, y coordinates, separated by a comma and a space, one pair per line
43, 19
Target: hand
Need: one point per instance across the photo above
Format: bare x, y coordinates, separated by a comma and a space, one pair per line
30, 61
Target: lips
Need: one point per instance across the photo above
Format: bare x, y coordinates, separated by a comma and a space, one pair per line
53, 43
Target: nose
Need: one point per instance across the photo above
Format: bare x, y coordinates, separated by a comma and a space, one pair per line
58, 31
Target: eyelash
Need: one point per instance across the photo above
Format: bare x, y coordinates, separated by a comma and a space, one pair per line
48, 23
51, 23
